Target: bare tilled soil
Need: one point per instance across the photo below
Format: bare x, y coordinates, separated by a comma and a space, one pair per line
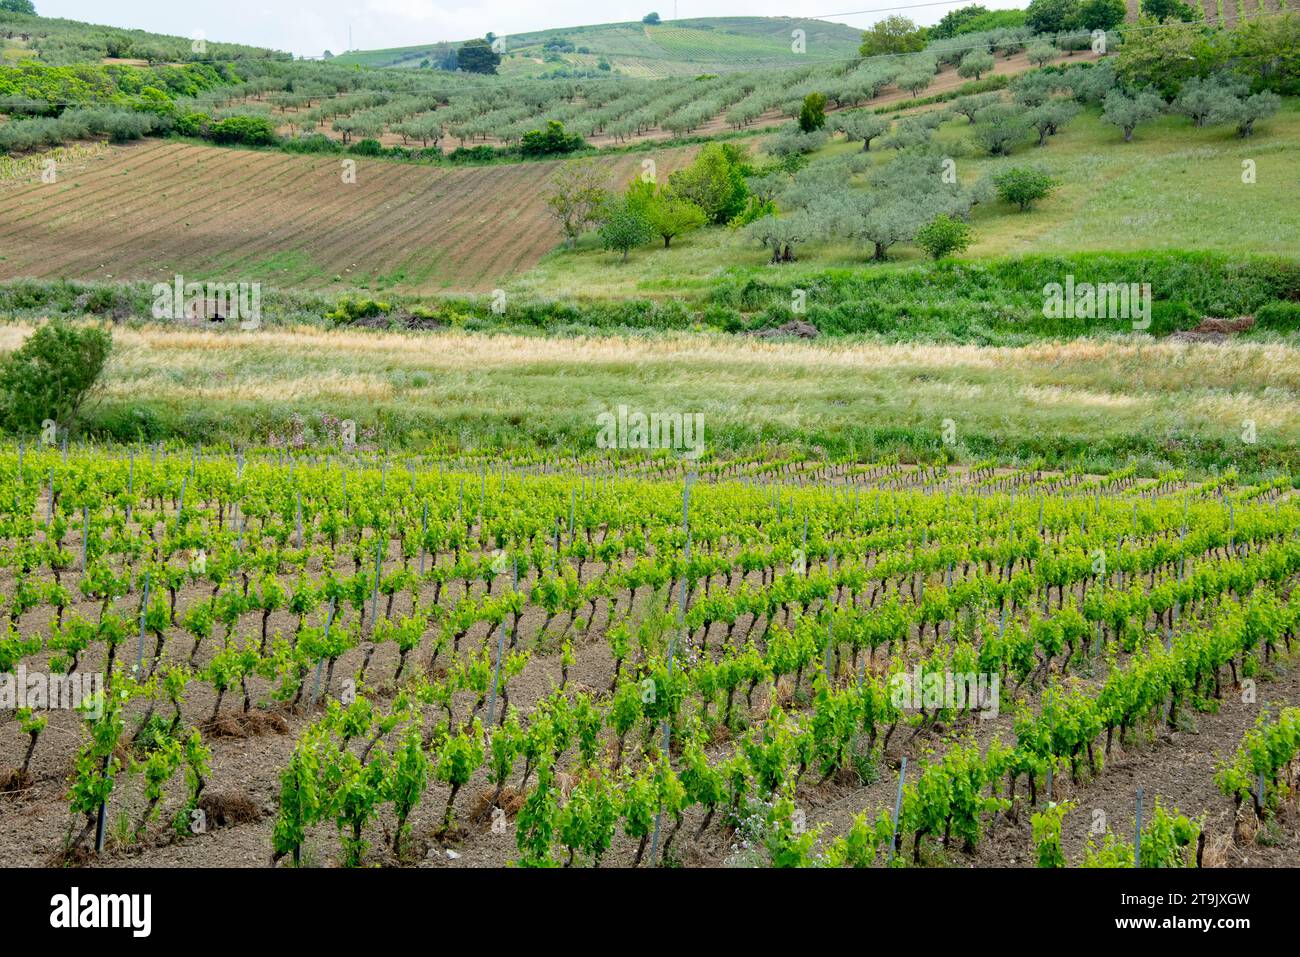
155, 209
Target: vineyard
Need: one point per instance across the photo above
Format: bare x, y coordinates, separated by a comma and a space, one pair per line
593, 659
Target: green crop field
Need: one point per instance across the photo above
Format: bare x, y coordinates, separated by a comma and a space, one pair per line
678, 450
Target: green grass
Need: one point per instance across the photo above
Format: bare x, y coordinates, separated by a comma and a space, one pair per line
1100, 403
1173, 187
679, 47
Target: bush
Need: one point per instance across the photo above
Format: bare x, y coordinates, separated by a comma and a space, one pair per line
552, 141
1023, 185
350, 310
812, 115
943, 236
1279, 316
51, 374
367, 147
315, 143
248, 130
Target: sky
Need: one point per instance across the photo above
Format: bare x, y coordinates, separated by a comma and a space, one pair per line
308, 29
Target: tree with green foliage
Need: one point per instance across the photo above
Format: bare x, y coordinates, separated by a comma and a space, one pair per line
624, 224
1052, 16
477, 56
905, 195
915, 77
975, 64
1269, 48
575, 196
1163, 10
953, 19
1162, 57
50, 376
1245, 111
552, 141
669, 216
1035, 87
1023, 185
1048, 117
650, 18
970, 105
860, 125
18, 6
999, 128
812, 115
891, 36
782, 234
1200, 99
1041, 53
1102, 14
943, 236
1128, 112
715, 181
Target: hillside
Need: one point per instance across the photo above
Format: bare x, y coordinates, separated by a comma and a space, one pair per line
61, 42
149, 211
676, 47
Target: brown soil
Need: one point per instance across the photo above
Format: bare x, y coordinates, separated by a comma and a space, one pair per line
153, 210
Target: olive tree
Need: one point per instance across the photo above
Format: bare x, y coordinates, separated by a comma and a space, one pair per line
975, 64
1247, 110
1127, 112
1048, 118
860, 125
968, 106
998, 128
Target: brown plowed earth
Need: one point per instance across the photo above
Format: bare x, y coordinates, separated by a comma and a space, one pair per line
151, 210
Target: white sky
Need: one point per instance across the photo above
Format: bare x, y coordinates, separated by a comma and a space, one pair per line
310, 28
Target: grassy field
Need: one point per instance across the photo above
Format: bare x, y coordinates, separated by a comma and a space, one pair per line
678, 47
1096, 402
1174, 186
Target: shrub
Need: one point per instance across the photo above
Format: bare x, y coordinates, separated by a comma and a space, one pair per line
1023, 185
1279, 316
350, 310
552, 141
367, 147
315, 143
50, 375
943, 236
812, 115
248, 130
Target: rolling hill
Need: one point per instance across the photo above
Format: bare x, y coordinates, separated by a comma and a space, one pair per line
637, 49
